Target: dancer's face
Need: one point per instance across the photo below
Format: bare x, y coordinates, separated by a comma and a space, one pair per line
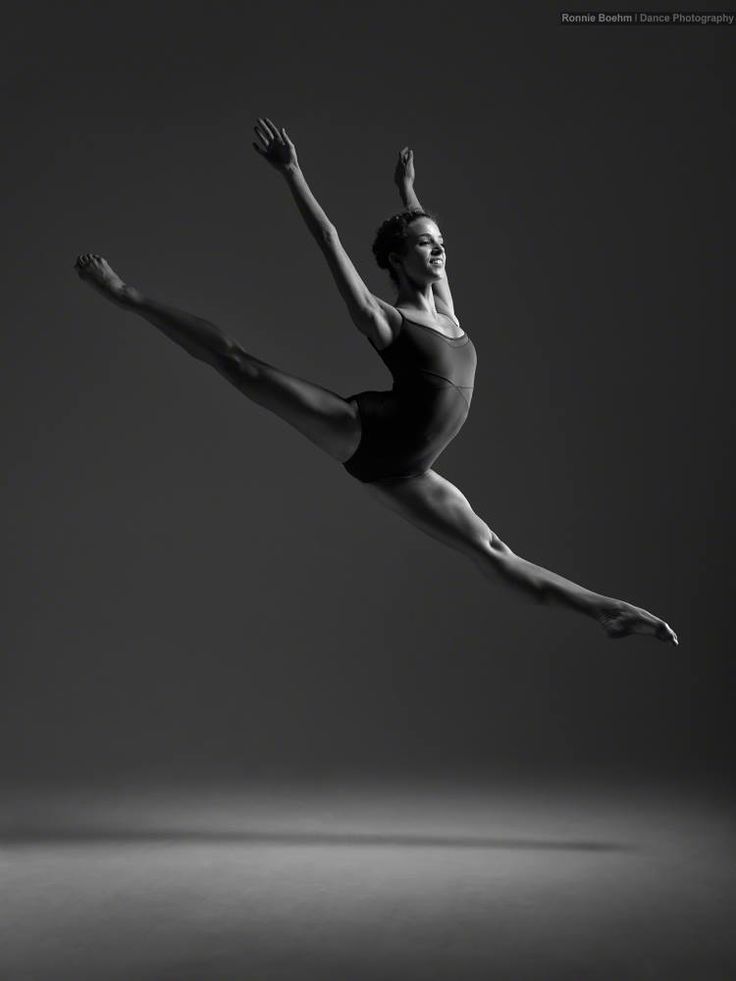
423, 260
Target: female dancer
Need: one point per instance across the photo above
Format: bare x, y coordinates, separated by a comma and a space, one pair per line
387, 440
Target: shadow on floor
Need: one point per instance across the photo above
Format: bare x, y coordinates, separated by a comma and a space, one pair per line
94, 835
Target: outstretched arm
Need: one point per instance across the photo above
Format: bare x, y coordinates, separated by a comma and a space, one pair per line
404, 176
365, 312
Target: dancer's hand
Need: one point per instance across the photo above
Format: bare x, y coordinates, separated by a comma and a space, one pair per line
275, 145
404, 173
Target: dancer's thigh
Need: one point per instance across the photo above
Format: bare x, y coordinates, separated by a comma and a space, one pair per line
330, 422
431, 503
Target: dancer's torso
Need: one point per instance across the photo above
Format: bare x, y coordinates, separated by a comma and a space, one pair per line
406, 429
420, 354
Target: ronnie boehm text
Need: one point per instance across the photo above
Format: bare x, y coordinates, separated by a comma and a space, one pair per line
635, 17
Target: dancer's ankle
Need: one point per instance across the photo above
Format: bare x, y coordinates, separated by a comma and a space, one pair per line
129, 296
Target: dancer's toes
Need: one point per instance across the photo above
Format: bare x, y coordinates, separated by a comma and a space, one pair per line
666, 633
96, 271
620, 619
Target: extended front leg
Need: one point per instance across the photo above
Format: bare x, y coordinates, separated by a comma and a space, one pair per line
326, 419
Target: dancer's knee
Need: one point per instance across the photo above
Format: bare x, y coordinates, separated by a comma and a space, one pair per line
484, 543
235, 364
477, 537
496, 545
482, 536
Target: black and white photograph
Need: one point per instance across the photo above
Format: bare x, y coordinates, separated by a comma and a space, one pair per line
368, 492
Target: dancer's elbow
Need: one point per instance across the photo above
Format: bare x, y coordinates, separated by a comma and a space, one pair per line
328, 233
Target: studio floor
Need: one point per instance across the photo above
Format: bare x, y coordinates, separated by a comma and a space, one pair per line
377, 881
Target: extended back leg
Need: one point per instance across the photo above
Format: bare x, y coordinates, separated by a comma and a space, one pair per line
433, 504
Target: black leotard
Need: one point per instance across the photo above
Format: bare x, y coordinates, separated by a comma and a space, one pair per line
406, 429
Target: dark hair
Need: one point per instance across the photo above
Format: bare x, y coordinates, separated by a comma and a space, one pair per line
392, 235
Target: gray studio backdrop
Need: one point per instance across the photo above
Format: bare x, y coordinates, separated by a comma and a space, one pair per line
191, 589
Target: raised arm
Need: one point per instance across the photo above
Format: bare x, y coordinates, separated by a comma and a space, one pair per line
368, 316
404, 176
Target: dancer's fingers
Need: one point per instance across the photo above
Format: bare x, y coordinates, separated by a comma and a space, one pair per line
261, 136
285, 137
258, 150
273, 129
278, 131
